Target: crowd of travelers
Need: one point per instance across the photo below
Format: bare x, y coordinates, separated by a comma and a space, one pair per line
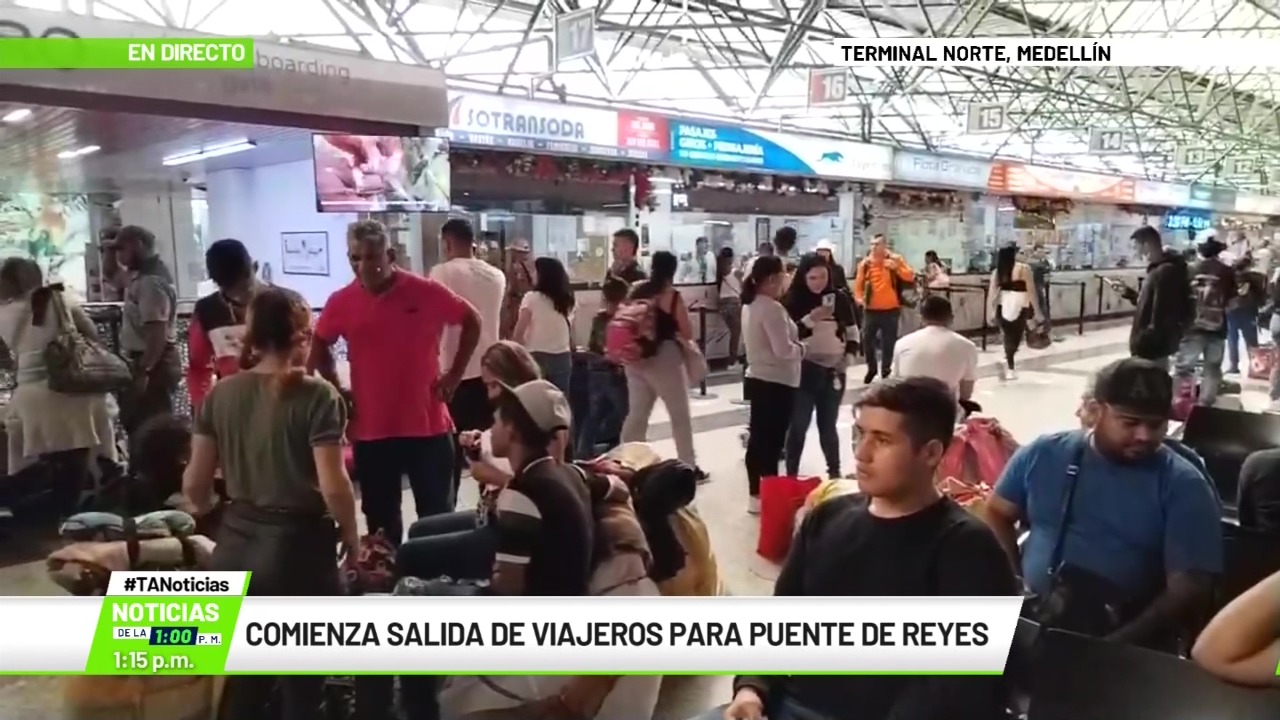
1112, 530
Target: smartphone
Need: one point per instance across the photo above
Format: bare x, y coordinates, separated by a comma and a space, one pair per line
829, 301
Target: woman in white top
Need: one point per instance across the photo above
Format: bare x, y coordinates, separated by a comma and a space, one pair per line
64, 431
545, 323
729, 282
774, 354
935, 273
1012, 303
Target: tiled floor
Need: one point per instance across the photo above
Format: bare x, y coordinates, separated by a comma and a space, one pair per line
1042, 399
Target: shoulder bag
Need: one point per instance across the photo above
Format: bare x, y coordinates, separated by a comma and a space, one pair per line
76, 364
1080, 600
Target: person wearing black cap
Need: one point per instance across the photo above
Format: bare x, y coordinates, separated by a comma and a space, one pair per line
217, 320
1213, 284
1124, 532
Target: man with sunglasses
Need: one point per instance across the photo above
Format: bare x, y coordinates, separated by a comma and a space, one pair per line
1115, 511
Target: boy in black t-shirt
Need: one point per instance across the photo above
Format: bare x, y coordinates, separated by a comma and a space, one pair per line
606, 383
899, 537
544, 524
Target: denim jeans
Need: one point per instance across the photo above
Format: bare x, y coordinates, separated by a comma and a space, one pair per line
881, 326
451, 545
1241, 323
1275, 370
1194, 347
607, 388
381, 465
557, 368
821, 391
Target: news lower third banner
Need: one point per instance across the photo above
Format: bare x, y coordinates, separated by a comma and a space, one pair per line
1237, 53
201, 623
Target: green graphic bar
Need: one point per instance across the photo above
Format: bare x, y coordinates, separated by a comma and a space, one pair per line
126, 54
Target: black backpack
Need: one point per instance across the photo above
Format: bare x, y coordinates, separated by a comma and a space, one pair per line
1209, 295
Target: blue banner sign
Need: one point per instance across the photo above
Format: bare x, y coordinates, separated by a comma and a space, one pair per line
1195, 222
720, 147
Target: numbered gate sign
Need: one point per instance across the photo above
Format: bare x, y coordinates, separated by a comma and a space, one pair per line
986, 118
1106, 141
828, 86
575, 35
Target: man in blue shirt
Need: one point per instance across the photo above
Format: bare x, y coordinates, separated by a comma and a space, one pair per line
1141, 517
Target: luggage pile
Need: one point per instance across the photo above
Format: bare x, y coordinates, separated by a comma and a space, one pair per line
99, 544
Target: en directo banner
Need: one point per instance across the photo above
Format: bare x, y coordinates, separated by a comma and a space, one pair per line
722, 147
205, 623
1036, 181
529, 126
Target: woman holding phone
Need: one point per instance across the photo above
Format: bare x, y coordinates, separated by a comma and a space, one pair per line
826, 329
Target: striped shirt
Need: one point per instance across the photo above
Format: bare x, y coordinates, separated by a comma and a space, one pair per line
544, 523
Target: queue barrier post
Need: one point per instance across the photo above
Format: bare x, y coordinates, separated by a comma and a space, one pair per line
701, 392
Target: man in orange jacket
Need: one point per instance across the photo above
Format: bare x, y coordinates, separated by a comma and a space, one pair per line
877, 287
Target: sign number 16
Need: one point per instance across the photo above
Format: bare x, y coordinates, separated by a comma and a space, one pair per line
828, 86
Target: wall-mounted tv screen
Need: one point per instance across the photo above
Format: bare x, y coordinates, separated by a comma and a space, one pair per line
366, 173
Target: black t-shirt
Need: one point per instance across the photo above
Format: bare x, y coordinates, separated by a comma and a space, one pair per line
844, 550
1258, 499
544, 522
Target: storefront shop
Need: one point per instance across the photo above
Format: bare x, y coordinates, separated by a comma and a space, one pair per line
560, 178
735, 187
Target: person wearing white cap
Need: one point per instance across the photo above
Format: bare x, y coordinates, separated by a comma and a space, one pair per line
544, 524
827, 251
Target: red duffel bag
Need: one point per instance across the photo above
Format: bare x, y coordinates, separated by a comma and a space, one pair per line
780, 499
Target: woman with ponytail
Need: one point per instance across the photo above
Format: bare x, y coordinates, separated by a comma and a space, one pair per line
774, 354
277, 435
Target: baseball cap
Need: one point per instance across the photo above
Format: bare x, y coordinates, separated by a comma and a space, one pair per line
1137, 385
544, 403
826, 245
520, 246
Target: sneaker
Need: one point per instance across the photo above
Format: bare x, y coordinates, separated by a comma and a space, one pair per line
1010, 374
753, 505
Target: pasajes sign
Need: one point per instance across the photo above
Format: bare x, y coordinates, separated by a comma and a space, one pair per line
286, 79
722, 147
938, 170
527, 125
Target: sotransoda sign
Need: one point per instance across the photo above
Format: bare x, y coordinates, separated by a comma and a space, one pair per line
524, 119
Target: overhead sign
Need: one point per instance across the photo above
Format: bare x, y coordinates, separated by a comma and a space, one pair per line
828, 86
929, 169
1018, 179
1191, 221
1148, 192
530, 126
1258, 204
986, 118
575, 35
285, 79
722, 147
1239, 167
1106, 141
1208, 197
1187, 156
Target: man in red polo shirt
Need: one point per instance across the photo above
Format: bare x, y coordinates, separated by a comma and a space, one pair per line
400, 426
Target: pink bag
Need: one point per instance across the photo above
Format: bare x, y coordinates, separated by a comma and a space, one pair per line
1261, 360
973, 462
1184, 398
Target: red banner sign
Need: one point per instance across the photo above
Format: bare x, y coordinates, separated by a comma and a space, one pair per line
1018, 179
